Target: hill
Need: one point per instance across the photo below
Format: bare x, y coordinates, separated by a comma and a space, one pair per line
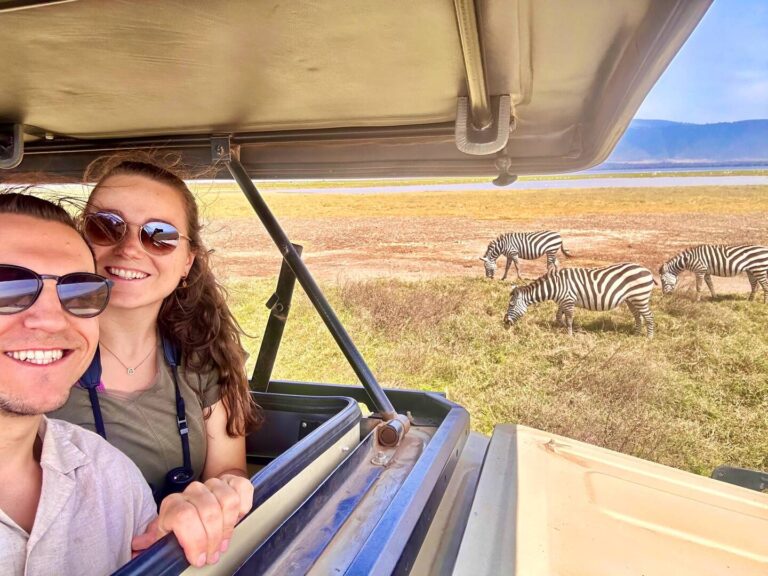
654, 143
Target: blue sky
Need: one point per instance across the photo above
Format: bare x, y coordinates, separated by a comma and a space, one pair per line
721, 72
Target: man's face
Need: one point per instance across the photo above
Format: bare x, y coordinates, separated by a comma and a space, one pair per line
47, 248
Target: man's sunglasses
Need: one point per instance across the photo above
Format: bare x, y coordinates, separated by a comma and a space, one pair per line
108, 229
82, 294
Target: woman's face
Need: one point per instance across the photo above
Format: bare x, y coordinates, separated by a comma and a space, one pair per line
141, 279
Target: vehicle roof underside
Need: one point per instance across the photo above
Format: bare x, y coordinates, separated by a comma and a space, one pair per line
330, 88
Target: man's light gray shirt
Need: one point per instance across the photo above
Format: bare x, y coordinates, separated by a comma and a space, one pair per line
93, 502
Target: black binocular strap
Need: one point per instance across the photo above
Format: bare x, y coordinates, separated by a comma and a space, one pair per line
90, 381
181, 420
98, 420
173, 359
92, 377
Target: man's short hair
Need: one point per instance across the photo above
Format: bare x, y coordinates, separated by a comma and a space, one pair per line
12, 202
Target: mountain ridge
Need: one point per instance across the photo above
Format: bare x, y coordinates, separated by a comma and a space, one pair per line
665, 142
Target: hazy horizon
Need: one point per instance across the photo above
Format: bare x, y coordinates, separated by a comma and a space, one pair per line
636, 118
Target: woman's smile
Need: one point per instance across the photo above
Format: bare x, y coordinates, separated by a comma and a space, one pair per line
125, 273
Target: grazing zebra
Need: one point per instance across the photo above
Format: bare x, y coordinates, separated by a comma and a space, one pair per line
526, 245
709, 260
590, 288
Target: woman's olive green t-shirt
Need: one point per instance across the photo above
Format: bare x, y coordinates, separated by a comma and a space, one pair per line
143, 424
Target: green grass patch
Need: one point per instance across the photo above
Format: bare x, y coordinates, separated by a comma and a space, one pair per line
694, 397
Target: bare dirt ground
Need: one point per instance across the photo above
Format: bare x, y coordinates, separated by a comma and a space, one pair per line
343, 249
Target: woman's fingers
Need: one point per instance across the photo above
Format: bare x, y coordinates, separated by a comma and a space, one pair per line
244, 489
203, 517
229, 503
211, 515
179, 514
196, 518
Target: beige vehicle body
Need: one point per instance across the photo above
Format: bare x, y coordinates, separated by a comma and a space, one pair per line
402, 88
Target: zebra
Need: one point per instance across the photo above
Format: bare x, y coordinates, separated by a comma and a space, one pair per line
591, 288
526, 245
707, 260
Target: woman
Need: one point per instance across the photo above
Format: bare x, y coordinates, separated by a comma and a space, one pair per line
166, 308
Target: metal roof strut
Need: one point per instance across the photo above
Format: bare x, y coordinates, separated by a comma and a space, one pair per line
395, 425
483, 123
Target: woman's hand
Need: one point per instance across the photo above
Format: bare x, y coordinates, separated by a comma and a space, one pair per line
242, 485
202, 517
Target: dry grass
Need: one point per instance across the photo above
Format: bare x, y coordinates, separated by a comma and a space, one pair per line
694, 397
513, 204
397, 308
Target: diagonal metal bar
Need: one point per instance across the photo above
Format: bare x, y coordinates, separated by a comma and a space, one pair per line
279, 305
290, 255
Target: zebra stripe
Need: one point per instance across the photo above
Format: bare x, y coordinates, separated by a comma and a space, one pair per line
591, 288
525, 245
707, 260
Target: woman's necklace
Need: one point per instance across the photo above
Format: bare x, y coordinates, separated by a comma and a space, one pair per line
128, 369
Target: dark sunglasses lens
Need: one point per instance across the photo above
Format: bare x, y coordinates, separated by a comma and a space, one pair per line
82, 294
104, 229
159, 237
18, 289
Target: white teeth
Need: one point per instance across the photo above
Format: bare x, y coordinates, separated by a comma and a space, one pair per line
127, 274
36, 356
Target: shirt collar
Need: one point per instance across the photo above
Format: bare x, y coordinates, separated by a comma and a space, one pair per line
59, 452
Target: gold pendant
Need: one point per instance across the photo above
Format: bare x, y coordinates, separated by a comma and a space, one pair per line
131, 371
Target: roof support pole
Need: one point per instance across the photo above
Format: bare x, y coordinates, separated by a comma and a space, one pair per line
291, 256
479, 102
482, 122
279, 305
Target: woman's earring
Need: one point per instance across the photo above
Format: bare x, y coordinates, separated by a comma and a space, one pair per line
183, 281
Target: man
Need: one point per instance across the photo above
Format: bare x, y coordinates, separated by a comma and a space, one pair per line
70, 503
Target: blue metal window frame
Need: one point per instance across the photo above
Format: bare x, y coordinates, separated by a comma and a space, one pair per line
395, 541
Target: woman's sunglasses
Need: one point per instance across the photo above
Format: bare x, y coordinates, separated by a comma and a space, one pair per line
108, 229
82, 294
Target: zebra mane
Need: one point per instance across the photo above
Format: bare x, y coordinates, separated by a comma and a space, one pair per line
679, 260
493, 247
531, 286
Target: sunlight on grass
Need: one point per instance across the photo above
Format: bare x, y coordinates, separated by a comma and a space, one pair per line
694, 397
496, 204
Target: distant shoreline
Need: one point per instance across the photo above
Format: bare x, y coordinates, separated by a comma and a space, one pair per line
592, 174
588, 182
693, 166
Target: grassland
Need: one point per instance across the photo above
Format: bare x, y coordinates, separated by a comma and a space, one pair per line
694, 397
495, 204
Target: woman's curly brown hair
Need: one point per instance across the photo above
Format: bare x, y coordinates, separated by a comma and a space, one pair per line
196, 316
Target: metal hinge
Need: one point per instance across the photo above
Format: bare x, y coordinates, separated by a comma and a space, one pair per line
221, 150
483, 141
11, 145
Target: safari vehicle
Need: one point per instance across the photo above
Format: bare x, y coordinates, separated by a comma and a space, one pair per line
309, 90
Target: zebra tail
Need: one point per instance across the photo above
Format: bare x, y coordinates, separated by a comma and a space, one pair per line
565, 252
